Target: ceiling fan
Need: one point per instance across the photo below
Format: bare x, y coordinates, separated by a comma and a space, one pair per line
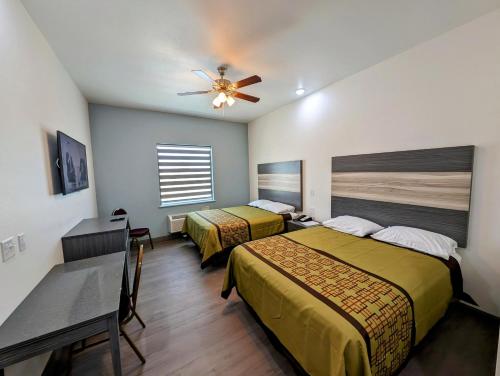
227, 90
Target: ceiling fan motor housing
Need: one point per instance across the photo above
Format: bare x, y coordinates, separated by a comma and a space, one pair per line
222, 84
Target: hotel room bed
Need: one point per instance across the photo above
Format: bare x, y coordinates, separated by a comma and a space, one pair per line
218, 230
342, 304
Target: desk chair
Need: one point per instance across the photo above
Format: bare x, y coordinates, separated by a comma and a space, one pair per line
132, 312
135, 233
127, 311
135, 290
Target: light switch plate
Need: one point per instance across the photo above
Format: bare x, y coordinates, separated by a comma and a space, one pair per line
8, 249
21, 242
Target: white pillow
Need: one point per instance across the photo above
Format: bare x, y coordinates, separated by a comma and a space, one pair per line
419, 240
278, 208
352, 225
259, 203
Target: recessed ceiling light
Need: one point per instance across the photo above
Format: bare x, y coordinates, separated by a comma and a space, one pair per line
299, 91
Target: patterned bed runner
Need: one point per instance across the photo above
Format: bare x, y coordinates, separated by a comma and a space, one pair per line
380, 310
232, 230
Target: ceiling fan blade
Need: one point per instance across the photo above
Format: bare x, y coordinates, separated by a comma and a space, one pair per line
202, 74
246, 97
194, 92
247, 81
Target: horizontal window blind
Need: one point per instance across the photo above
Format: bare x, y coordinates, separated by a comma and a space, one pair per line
186, 174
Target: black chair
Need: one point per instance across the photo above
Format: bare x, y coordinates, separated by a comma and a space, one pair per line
132, 299
135, 290
135, 233
127, 311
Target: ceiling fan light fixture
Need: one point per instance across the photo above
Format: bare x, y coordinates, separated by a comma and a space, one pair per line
230, 100
300, 91
216, 102
222, 97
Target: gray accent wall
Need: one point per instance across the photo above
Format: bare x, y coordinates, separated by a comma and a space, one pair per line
126, 169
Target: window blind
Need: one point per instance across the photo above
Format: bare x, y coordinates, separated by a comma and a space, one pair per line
186, 174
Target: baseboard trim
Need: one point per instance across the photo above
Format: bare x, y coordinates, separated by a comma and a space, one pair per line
479, 309
159, 240
170, 236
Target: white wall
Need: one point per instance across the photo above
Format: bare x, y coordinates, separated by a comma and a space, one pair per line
37, 97
445, 92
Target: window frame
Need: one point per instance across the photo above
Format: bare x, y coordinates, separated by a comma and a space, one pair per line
192, 201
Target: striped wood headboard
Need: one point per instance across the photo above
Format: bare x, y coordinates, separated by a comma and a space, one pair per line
428, 189
281, 181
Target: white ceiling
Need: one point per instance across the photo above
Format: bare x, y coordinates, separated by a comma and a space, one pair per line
139, 53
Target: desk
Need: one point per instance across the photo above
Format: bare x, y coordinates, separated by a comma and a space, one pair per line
95, 237
73, 301
98, 236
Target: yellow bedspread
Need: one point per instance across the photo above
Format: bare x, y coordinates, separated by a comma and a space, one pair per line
338, 303
219, 229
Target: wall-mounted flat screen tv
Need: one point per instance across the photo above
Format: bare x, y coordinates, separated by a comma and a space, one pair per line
72, 164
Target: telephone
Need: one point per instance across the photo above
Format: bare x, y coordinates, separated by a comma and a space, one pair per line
304, 218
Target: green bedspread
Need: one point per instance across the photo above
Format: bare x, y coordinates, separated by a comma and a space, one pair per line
338, 303
219, 229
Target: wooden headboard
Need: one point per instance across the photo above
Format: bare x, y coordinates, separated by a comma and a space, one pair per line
428, 189
281, 181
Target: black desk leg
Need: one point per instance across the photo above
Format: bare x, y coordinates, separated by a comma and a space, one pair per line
1, 372
114, 340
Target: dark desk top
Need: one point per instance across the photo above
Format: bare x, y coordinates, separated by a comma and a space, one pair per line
70, 294
97, 225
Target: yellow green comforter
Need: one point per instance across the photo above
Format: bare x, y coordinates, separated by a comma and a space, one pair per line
338, 303
219, 229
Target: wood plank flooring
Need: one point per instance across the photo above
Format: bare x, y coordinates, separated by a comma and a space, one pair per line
192, 331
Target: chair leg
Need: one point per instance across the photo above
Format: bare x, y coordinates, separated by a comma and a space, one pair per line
139, 319
138, 244
151, 240
132, 345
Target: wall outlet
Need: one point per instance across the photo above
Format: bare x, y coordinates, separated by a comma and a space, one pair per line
21, 242
8, 249
311, 212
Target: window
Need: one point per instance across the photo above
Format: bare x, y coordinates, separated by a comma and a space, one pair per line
186, 174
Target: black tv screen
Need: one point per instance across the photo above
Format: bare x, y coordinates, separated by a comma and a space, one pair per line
72, 164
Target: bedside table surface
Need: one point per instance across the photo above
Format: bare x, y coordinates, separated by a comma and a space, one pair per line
297, 225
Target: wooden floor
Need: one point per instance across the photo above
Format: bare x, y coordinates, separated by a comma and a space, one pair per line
192, 331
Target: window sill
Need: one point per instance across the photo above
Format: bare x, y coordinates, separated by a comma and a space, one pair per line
182, 203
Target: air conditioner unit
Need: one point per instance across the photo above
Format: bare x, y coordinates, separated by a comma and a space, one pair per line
175, 222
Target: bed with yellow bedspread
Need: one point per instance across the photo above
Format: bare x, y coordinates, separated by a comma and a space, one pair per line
341, 304
217, 230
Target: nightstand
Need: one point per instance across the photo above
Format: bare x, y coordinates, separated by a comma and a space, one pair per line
297, 225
